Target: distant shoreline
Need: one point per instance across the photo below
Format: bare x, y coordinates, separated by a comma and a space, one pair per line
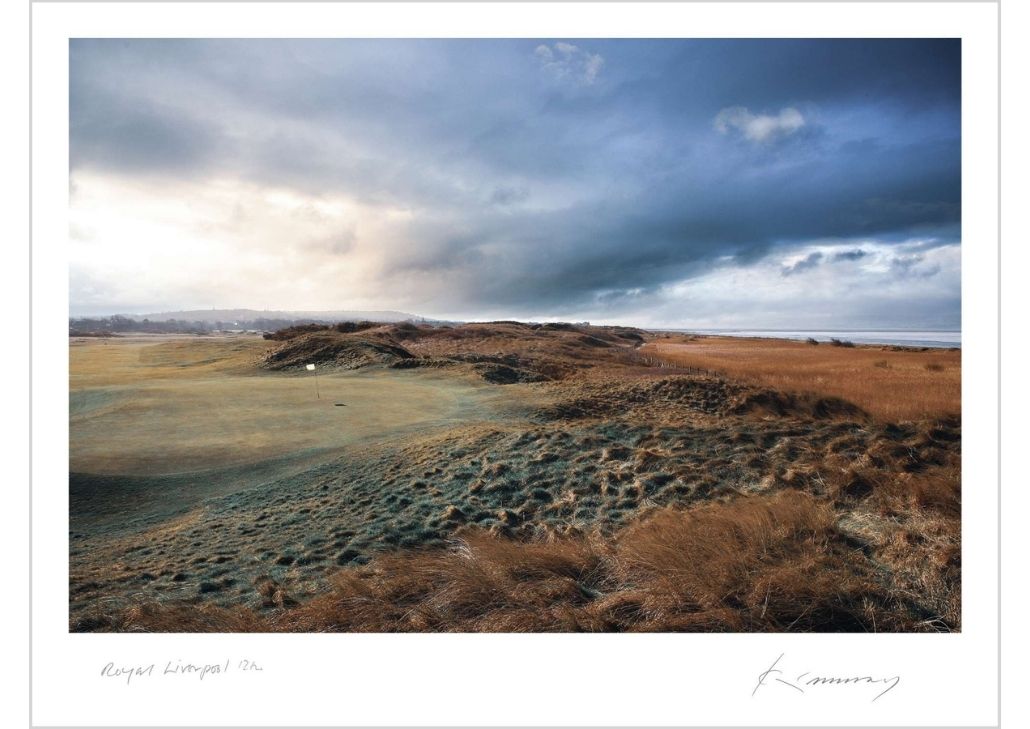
941, 338
934, 338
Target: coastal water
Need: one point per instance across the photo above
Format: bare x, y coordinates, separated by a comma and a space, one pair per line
905, 338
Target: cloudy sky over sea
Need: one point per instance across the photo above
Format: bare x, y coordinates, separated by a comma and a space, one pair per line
667, 183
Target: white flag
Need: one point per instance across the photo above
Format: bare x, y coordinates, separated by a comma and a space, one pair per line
311, 366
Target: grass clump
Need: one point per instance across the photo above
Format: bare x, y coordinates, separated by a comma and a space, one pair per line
761, 563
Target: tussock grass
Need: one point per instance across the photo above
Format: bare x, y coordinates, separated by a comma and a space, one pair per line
903, 503
760, 563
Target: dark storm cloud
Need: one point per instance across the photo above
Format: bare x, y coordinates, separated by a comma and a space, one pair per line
810, 261
909, 266
854, 255
909, 73
542, 174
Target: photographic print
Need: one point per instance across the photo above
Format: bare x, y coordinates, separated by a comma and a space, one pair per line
515, 335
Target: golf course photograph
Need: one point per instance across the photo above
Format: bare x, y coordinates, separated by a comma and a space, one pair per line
515, 335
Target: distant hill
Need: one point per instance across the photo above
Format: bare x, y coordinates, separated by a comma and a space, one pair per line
250, 315
204, 321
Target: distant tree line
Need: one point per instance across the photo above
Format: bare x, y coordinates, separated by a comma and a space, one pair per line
119, 324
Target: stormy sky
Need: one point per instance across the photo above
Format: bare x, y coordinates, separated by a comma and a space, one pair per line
665, 183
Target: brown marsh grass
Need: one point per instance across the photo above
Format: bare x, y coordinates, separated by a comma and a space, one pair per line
892, 385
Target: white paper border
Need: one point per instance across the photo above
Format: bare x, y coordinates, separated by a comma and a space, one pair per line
948, 680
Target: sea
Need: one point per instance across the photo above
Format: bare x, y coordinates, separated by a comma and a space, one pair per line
927, 338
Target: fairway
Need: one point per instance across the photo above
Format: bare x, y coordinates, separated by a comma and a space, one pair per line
154, 407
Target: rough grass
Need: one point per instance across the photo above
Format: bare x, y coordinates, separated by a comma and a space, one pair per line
761, 563
893, 384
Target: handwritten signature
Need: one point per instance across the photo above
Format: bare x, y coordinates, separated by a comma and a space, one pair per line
807, 680
178, 668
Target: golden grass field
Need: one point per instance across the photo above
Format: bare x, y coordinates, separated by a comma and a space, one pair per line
892, 385
508, 477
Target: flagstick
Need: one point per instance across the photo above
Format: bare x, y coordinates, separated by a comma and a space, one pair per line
311, 368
